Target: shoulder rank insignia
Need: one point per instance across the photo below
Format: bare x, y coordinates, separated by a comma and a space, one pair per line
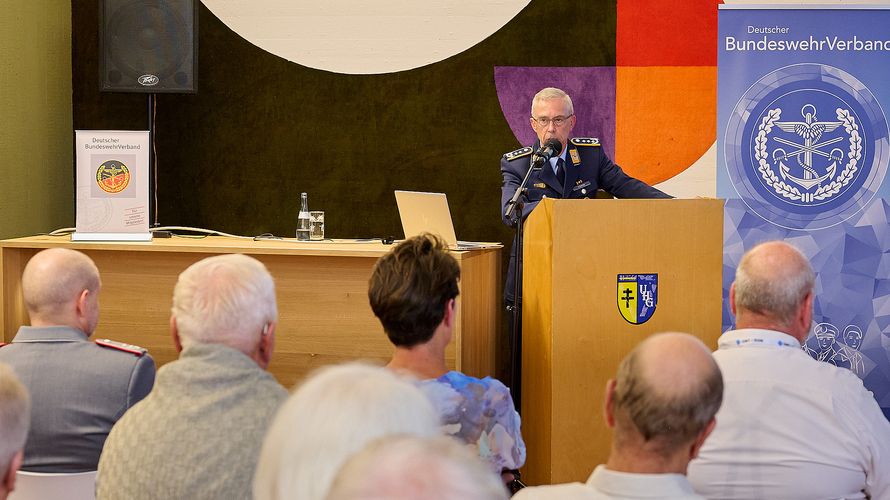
519, 153
585, 141
121, 346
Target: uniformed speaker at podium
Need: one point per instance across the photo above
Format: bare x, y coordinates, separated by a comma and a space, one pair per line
575, 171
79, 388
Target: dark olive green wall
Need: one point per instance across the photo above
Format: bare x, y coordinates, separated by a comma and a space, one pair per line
236, 156
36, 138
261, 129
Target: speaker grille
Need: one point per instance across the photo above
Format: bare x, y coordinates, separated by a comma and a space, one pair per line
148, 45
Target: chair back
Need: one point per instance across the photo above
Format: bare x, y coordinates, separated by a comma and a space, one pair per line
50, 486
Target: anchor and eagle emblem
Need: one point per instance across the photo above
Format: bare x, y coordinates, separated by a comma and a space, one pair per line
808, 171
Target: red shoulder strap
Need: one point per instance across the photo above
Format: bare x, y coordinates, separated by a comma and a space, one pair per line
121, 346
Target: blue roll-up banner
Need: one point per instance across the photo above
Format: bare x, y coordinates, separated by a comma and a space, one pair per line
802, 138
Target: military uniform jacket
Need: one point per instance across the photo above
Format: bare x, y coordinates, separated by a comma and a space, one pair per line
79, 389
587, 168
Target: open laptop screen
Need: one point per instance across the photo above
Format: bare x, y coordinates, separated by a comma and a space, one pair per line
426, 212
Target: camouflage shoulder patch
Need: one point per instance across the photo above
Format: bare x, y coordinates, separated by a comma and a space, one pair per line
519, 153
121, 346
585, 141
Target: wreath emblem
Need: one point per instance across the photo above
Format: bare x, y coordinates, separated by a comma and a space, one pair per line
801, 188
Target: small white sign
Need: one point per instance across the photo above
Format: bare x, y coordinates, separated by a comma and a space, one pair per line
112, 185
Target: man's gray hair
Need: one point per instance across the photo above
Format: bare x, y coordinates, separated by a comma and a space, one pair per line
665, 409
334, 414
552, 93
226, 299
410, 467
15, 416
773, 283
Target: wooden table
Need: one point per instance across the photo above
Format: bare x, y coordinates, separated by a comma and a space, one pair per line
322, 288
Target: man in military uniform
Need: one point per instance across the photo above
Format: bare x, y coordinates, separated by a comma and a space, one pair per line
577, 171
79, 388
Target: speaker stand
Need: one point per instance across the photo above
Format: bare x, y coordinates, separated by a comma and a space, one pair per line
152, 162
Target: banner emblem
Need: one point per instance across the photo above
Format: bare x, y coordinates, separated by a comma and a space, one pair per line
637, 297
818, 177
113, 176
807, 146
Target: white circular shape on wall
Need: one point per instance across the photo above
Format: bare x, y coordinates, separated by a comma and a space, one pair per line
365, 36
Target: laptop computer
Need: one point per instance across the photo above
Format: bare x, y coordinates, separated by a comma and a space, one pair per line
428, 212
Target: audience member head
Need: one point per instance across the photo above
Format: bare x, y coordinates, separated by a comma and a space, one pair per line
334, 414
15, 418
773, 290
662, 404
412, 289
410, 467
226, 299
61, 288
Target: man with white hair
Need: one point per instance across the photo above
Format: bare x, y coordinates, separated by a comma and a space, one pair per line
661, 407
15, 416
577, 170
791, 427
79, 388
198, 434
335, 413
411, 467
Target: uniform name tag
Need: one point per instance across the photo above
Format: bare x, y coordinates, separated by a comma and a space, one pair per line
576, 158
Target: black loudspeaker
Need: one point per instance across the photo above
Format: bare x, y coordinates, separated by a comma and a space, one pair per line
148, 46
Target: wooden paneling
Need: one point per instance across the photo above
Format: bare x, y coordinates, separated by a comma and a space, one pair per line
322, 289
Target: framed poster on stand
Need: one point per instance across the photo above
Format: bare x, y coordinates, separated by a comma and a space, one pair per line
112, 185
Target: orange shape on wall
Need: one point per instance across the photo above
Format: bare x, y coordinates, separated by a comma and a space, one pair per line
664, 119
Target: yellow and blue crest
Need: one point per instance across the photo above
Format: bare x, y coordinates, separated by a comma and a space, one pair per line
637, 297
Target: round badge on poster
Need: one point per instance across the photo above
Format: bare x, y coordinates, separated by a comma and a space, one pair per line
806, 146
113, 176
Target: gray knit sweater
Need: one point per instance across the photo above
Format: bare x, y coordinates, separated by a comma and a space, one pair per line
198, 433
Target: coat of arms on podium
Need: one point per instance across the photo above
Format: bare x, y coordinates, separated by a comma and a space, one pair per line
637, 297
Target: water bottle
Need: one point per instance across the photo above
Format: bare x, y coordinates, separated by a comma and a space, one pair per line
303, 219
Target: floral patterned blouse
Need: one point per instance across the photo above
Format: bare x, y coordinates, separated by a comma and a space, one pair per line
480, 412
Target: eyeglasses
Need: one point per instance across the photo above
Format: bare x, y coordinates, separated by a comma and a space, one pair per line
558, 121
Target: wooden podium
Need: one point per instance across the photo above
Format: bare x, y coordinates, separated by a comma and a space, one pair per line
573, 334
322, 289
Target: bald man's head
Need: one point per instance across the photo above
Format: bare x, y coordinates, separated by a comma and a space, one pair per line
773, 281
53, 284
666, 392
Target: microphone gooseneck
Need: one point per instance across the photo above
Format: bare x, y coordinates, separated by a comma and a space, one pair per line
545, 152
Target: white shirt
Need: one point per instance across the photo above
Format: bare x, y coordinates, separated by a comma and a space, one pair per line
607, 484
791, 427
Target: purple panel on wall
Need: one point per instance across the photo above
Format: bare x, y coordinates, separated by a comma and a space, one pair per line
592, 90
